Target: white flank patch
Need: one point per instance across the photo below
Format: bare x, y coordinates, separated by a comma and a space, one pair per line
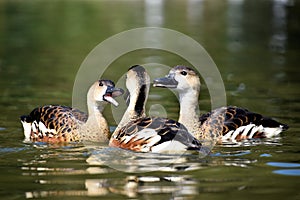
44, 129
143, 135
34, 126
271, 132
170, 147
150, 135
255, 130
247, 130
146, 133
231, 135
238, 131
27, 130
153, 140
244, 130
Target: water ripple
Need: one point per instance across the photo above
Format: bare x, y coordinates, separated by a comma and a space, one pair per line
134, 162
283, 164
289, 172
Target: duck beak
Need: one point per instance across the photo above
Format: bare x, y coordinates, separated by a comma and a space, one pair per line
117, 92
112, 92
166, 82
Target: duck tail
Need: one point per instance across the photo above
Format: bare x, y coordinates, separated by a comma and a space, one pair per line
26, 121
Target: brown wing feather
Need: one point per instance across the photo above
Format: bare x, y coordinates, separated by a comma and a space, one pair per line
166, 129
61, 123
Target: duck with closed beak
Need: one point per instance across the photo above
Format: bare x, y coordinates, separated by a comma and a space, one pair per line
239, 123
140, 133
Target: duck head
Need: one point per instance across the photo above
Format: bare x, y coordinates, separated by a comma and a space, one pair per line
180, 78
105, 91
137, 84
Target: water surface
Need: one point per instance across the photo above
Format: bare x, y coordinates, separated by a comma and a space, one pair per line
253, 43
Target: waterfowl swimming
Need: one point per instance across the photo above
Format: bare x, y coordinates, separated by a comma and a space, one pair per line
239, 123
139, 133
59, 124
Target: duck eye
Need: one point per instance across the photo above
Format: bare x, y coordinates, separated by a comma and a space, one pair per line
184, 73
100, 84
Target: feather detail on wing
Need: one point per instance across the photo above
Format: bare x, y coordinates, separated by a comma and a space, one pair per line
240, 123
52, 124
154, 135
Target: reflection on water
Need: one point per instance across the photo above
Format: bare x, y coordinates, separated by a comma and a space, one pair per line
130, 186
133, 162
255, 45
287, 168
289, 172
90, 171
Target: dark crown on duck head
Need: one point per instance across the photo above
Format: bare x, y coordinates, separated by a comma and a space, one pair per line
185, 68
137, 68
141, 74
106, 82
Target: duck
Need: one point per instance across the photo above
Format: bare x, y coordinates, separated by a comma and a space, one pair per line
239, 123
64, 124
140, 133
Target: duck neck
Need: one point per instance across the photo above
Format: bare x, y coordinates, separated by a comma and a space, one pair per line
189, 110
96, 128
136, 108
94, 111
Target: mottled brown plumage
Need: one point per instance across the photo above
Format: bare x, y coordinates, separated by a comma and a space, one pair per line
236, 117
237, 123
137, 132
163, 128
59, 124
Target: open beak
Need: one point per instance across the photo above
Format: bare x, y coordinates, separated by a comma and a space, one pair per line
117, 92
112, 92
166, 82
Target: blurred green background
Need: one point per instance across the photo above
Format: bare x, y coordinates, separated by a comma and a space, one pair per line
254, 43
